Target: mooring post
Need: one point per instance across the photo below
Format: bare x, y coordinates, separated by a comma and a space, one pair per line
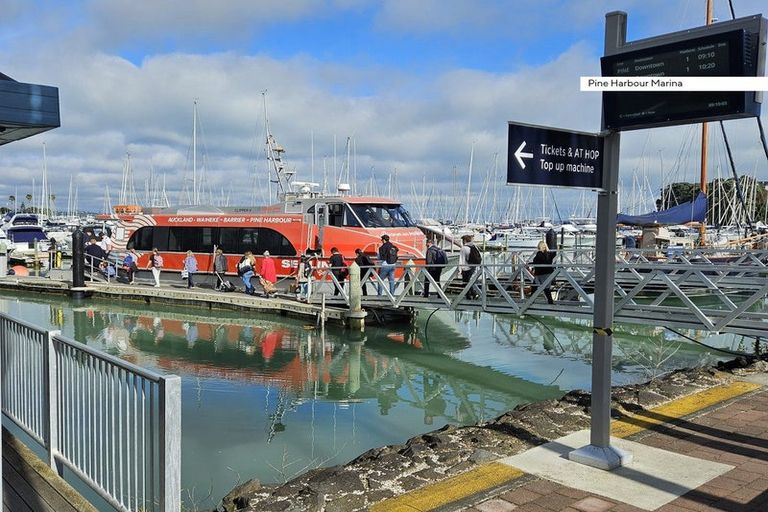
3, 259
78, 264
356, 314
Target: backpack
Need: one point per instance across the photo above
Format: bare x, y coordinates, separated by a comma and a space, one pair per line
128, 260
474, 258
244, 266
158, 261
391, 254
307, 269
440, 257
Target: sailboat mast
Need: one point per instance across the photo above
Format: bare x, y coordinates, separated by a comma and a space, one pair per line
194, 152
469, 183
704, 141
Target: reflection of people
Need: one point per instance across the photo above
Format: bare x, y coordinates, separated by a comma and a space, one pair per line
434, 403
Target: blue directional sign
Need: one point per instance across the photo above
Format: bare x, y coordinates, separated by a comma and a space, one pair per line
538, 155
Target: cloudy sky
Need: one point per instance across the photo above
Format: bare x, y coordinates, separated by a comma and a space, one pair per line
413, 83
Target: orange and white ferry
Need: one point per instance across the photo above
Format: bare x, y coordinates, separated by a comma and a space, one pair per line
304, 221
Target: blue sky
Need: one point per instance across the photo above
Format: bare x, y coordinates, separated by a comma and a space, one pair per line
413, 83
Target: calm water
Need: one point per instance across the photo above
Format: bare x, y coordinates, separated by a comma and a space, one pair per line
269, 397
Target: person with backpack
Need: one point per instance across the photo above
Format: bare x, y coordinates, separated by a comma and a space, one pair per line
245, 270
469, 257
365, 263
156, 264
436, 261
338, 269
387, 262
304, 279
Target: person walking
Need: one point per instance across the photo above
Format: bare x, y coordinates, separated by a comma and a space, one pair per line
219, 268
338, 269
542, 268
156, 264
268, 274
52, 249
436, 260
245, 269
387, 262
469, 257
94, 255
365, 263
190, 265
106, 243
304, 279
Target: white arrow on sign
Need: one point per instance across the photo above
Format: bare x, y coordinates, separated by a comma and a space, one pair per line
520, 155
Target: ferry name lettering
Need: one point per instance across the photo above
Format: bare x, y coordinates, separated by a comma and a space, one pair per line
273, 220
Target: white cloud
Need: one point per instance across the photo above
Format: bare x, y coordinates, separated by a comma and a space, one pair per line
422, 126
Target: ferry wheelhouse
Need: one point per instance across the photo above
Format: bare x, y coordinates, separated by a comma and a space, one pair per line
304, 221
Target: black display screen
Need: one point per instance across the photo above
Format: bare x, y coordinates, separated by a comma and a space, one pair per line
725, 54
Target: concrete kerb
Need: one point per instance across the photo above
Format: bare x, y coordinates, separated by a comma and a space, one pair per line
492, 478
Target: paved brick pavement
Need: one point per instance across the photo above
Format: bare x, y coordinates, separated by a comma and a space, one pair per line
735, 434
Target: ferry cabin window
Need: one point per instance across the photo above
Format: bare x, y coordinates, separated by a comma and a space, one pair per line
341, 215
382, 215
202, 240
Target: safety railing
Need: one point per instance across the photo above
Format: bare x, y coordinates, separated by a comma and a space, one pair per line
707, 289
115, 425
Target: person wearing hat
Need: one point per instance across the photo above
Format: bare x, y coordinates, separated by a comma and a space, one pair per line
388, 262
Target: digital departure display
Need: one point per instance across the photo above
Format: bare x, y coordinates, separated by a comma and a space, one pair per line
732, 53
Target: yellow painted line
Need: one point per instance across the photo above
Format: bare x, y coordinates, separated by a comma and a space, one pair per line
679, 408
494, 474
451, 489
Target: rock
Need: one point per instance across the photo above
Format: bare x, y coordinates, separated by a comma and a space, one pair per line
383, 472
482, 456
237, 498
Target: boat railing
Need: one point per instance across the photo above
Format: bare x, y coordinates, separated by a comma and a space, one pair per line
706, 289
113, 424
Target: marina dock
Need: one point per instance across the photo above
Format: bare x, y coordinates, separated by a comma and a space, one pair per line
29, 485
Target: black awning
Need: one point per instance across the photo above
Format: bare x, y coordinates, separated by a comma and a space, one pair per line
26, 109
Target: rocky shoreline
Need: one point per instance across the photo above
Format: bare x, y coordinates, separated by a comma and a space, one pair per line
389, 471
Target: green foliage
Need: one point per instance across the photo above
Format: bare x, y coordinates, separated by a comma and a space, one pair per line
722, 198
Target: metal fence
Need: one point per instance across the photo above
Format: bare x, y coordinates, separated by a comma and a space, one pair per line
706, 289
115, 425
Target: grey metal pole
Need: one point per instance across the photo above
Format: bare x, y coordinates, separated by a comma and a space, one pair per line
600, 453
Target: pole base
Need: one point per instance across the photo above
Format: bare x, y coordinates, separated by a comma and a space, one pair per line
606, 458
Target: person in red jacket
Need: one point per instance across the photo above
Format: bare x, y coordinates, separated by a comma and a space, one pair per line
268, 274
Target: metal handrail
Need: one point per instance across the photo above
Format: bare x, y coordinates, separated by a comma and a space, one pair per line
115, 425
648, 289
